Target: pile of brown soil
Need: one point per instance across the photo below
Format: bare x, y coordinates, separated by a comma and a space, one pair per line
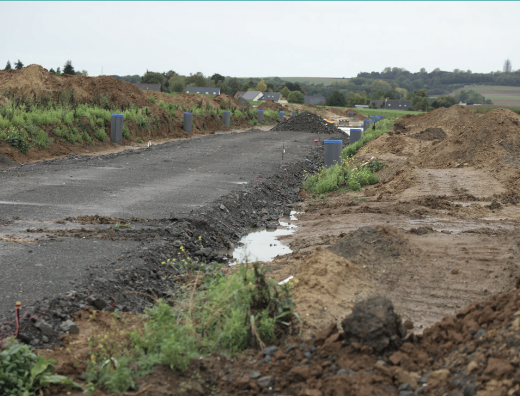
492, 141
347, 112
201, 101
3, 100
270, 105
34, 80
450, 120
431, 134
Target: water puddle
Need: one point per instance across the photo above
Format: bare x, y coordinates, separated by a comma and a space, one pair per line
263, 245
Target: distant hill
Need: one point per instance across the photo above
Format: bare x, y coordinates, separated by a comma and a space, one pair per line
500, 95
314, 80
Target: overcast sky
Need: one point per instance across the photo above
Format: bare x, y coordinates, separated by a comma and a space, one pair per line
258, 39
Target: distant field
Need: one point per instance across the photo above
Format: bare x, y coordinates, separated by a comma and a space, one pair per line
386, 113
500, 95
314, 80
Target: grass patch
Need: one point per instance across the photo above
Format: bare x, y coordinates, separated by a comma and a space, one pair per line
381, 127
347, 175
212, 313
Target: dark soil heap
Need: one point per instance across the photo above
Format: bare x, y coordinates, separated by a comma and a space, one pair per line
307, 122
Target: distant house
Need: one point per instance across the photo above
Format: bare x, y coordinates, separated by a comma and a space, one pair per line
149, 87
274, 96
389, 104
252, 95
239, 94
361, 106
314, 100
203, 90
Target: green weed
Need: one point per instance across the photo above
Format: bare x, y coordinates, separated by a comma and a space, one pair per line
22, 372
101, 134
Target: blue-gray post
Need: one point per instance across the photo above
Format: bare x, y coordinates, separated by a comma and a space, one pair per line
355, 135
293, 113
226, 118
260, 116
374, 119
332, 152
188, 120
351, 114
282, 116
116, 128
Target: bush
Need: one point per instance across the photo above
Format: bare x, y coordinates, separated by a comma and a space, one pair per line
126, 132
17, 138
296, 97
336, 98
152, 99
100, 134
22, 372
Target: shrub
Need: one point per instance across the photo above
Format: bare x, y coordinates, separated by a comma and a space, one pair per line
22, 372
126, 132
253, 122
100, 134
336, 98
296, 97
17, 138
42, 139
152, 99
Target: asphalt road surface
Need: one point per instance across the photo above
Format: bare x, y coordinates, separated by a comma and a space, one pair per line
172, 178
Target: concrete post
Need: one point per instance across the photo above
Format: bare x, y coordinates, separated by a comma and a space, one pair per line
226, 118
260, 116
116, 128
187, 122
282, 116
293, 113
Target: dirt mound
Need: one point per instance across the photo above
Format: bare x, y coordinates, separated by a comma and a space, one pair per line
201, 101
491, 139
34, 80
307, 122
450, 120
431, 134
270, 105
369, 245
3, 100
347, 112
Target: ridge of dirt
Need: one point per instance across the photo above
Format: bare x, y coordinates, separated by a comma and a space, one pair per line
271, 105
308, 122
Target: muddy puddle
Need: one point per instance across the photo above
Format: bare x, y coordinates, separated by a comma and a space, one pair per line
263, 245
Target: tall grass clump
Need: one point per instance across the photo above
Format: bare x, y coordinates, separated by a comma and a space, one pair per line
382, 126
348, 174
212, 313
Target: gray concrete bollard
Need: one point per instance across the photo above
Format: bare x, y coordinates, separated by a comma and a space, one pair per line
351, 114
332, 152
293, 113
116, 128
260, 116
355, 135
282, 116
226, 118
188, 120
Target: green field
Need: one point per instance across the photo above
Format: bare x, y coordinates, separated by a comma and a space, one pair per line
375, 112
314, 80
500, 95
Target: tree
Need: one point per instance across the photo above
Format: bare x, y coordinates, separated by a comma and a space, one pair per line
444, 101
154, 78
508, 67
336, 98
217, 77
296, 97
261, 86
177, 87
196, 80
285, 92
52, 71
58, 71
245, 86
18, 65
68, 68
8, 66
82, 73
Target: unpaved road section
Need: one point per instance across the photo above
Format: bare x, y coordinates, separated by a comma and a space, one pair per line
162, 182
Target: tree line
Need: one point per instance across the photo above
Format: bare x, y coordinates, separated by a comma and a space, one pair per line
67, 68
